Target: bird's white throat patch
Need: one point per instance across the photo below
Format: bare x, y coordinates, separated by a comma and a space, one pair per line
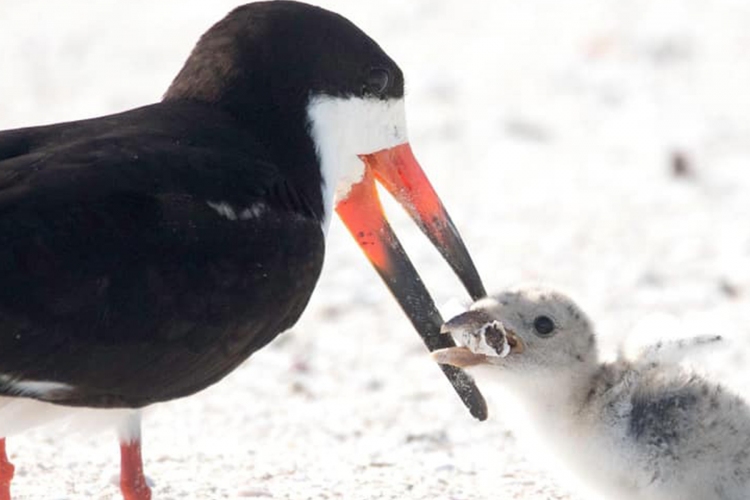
342, 128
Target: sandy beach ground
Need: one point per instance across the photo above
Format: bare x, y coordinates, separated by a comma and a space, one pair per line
602, 147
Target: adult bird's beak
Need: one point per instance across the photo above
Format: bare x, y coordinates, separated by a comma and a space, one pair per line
398, 171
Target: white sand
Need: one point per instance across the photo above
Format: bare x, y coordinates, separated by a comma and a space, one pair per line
546, 126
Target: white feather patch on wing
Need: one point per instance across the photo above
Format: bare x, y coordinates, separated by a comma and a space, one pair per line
34, 388
223, 209
227, 211
253, 211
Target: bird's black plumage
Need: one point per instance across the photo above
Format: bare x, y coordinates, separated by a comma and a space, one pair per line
146, 254
113, 262
119, 277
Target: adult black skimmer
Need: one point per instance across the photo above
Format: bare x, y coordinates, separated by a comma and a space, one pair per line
145, 254
639, 427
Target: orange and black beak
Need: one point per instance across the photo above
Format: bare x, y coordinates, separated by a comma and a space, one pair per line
398, 171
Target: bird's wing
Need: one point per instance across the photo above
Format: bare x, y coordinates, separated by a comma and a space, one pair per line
672, 351
661, 338
661, 417
148, 151
108, 230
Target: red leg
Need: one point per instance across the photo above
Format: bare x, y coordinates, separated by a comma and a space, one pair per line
132, 481
6, 472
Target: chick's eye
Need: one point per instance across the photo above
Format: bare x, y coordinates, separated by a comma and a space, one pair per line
376, 81
544, 326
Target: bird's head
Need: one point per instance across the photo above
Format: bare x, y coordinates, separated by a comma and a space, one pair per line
328, 104
526, 331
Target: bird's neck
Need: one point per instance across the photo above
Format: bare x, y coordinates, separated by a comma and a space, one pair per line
545, 416
553, 394
285, 141
275, 118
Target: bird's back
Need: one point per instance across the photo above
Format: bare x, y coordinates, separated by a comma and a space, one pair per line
669, 434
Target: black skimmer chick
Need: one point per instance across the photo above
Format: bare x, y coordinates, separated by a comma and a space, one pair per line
643, 427
146, 254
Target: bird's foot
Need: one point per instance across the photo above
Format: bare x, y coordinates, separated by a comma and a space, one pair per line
135, 491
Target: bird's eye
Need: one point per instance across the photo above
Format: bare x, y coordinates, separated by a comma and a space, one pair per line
376, 82
544, 326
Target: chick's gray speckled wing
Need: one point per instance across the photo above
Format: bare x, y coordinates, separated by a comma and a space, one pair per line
686, 425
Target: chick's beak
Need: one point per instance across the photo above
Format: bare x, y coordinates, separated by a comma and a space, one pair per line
482, 338
360, 210
460, 357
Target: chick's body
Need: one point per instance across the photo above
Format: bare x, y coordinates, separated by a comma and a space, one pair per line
638, 428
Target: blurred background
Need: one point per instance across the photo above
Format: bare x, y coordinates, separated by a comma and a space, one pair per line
598, 146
